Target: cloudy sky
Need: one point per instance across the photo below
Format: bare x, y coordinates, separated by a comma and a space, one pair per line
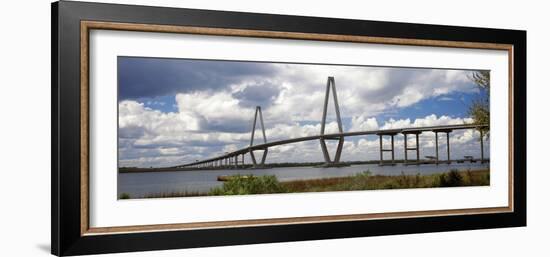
175, 111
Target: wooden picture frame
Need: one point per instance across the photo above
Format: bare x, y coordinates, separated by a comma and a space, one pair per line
71, 25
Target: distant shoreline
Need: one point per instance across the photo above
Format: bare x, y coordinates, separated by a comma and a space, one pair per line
229, 167
281, 165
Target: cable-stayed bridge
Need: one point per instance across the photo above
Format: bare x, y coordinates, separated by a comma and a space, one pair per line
236, 158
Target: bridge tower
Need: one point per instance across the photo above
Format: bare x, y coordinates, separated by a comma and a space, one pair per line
331, 85
252, 156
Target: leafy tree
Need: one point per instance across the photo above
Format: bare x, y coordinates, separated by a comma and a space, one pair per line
479, 109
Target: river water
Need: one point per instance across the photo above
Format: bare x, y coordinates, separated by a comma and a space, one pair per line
141, 184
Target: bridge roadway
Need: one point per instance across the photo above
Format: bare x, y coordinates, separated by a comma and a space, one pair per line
390, 132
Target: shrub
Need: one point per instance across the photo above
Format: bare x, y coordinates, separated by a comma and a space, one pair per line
390, 185
364, 174
124, 196
416, 181
451, 179
244, 185
470, 175
409, 181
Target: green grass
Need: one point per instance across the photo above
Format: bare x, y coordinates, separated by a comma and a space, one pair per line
246, 185
366, 181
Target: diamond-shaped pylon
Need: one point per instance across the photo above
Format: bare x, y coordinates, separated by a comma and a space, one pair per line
331, 85
252, 156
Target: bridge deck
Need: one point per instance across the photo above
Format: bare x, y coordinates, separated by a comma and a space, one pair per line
337, 135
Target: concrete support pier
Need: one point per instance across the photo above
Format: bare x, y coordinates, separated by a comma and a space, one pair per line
436, 148
406, 148
391, 149
446, 131
448, 148
481, 143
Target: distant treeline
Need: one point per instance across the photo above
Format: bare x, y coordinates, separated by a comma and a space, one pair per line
240, 166
279, 165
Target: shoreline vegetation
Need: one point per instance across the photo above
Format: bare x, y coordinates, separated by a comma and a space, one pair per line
249, 184
285, 165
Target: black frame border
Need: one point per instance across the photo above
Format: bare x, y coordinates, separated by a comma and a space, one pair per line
65, 166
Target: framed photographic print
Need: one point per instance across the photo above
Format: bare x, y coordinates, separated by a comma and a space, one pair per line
177, 128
